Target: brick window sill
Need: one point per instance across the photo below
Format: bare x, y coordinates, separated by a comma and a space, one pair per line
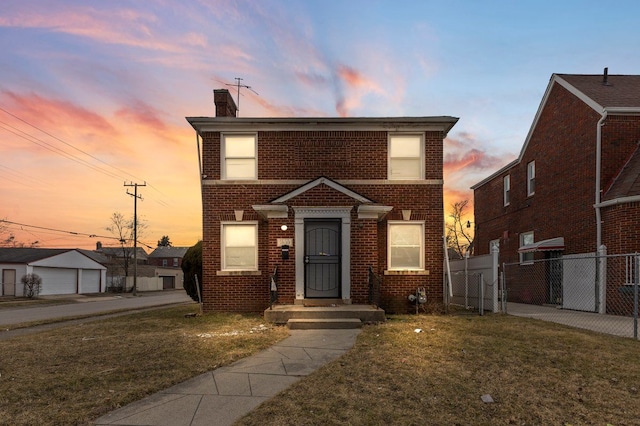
406, 272
237, 273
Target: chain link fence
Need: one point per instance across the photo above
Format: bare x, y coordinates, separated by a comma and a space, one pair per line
594, 292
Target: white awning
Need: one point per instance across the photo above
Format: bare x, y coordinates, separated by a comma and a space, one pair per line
552, 244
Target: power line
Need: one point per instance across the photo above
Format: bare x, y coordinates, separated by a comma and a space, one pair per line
67, 155
58, 230
66, 143
54, 149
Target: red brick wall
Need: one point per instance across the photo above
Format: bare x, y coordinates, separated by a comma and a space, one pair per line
563, 146
338, 155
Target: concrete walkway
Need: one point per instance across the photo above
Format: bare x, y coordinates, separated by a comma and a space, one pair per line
609, 324
224, 395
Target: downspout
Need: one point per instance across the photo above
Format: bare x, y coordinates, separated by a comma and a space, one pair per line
598, 174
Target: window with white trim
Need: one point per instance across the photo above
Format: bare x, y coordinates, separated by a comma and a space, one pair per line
406, 156
405, 245
175, 261
239, 246
526, 238
507, 189
239, 157
531, 178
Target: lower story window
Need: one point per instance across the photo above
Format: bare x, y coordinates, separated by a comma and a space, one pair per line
406, 245
526, 238
239, 246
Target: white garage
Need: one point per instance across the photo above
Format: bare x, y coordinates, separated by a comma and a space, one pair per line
62, 271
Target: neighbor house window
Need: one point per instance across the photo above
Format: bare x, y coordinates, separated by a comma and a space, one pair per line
239, 246
406, 156
406, 245
175, 261
531, 178
164, 262
526, 238
507, 189
239, 156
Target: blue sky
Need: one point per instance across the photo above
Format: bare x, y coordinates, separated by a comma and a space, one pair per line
109, 83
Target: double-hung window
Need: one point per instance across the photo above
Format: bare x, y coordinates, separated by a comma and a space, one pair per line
507, 190
531, 178
239, 156
406, 245
526, 238
406, 156
239, 245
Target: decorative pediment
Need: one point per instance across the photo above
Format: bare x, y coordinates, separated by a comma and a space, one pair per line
367, 209
322, 180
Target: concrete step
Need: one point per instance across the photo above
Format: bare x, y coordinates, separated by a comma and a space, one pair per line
281, 314
323, 323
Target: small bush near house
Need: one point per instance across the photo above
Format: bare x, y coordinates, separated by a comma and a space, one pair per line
192, 267
32, 284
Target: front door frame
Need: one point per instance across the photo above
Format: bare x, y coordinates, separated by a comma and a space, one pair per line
339, 212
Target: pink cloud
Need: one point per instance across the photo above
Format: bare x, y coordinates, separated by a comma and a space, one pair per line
124, 27
461, 153
34, 108
356, 86
141, 113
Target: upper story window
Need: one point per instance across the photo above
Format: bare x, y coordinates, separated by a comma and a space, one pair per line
239, 246
164, 262
526, 238
406, 245
531, 178
507, 190
239, 156
175, 261
406, 156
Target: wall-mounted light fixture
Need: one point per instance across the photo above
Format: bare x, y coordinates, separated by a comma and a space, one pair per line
284, 227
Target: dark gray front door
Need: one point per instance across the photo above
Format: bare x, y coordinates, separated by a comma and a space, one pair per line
322, 258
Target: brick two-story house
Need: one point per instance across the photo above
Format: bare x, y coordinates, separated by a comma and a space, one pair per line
575, 187
323, 200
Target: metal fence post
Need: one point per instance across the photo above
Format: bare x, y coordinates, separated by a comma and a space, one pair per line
503, 299
636, 281
481, 294
466, 280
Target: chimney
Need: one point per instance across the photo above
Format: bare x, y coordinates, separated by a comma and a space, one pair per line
605, 77
98, 246
225, 105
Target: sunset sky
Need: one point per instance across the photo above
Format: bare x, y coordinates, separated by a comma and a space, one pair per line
95, 94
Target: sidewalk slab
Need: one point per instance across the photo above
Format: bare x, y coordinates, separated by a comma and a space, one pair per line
224, 395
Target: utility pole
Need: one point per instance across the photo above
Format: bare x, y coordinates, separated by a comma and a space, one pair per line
135, 231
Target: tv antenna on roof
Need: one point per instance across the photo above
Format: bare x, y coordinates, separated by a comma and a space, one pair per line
238, 84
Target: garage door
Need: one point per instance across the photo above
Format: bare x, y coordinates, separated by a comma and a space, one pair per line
90, 281
57, 280
168, 283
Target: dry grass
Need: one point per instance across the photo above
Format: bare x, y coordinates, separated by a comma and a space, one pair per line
72, 375
537, 373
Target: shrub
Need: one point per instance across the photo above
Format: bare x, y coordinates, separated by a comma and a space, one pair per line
32, 284
192, 267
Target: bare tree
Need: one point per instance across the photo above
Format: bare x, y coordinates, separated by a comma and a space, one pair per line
122, 228
459, 235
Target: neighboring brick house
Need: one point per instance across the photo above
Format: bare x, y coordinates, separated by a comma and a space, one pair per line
166, 256
323, 200
575, 186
